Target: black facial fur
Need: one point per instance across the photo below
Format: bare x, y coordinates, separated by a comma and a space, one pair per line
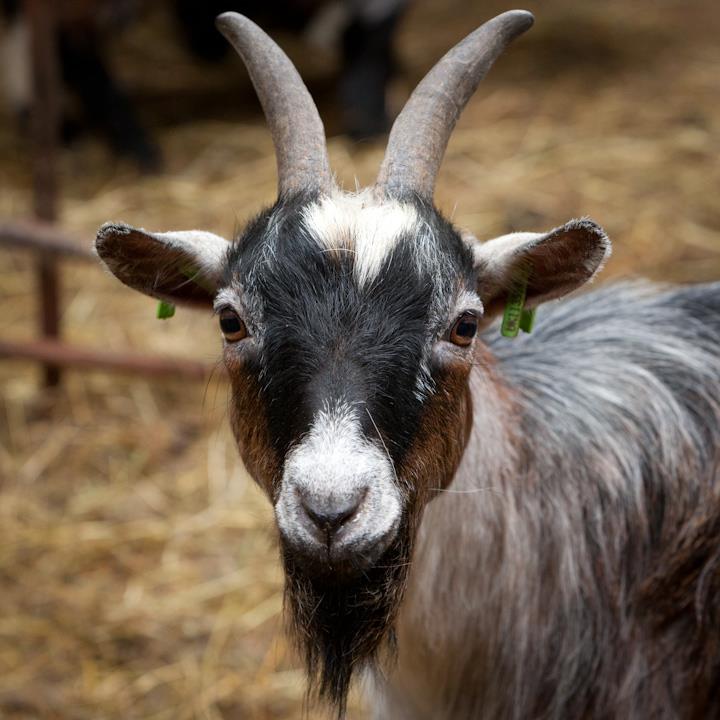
325, 339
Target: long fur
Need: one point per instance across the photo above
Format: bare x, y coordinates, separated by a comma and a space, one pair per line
568, 571
342, 627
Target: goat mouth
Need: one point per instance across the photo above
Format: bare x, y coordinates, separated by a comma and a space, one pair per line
331, 562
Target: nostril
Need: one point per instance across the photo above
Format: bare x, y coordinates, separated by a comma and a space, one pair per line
330, 515
329, 520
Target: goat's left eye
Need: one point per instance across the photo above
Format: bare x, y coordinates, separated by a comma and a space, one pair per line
464, 330
233, 328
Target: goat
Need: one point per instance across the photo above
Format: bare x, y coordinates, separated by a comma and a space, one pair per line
484, 527
84, 73
362, 34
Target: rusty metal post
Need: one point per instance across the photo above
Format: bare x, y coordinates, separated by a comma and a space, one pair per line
44, 239
47, 351
45, 124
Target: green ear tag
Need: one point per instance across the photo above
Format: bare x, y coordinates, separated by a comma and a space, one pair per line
165, 310
516, 317
527, 320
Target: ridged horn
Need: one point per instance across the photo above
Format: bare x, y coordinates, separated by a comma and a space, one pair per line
420, 134
295, 125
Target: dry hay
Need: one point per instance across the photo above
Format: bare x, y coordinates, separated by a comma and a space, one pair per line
138, 564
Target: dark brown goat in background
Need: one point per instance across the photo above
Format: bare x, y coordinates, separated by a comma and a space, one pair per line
362, 34
492, 528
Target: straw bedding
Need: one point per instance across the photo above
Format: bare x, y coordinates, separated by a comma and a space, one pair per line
137, 560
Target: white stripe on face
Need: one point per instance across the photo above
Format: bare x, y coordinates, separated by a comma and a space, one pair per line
358, 223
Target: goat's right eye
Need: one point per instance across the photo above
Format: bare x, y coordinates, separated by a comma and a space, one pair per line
233, 328
464, 330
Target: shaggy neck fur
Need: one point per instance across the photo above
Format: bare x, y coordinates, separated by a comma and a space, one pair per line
584, 500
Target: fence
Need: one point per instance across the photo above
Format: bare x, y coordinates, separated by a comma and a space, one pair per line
48, 243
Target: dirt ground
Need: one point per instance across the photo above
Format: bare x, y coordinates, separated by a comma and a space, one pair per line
138, 563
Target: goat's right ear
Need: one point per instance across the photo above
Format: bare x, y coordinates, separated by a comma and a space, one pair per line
553, 263
179, 267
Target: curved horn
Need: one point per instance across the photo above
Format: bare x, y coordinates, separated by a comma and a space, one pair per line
421, 132
295, 125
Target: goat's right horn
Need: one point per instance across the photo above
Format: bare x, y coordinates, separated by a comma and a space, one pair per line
421, 132
295, 125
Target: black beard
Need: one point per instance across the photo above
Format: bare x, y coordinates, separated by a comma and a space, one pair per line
341, 623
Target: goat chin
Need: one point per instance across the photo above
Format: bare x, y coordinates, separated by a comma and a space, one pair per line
342, 620
336, 565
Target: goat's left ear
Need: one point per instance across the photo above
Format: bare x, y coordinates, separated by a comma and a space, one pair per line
555, 263
179, 267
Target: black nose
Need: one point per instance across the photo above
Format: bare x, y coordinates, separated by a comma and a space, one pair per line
330, 514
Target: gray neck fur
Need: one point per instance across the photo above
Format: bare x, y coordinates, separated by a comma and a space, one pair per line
592, 463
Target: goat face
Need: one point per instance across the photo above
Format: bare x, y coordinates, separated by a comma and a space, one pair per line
349, 368
348, 364
349, 323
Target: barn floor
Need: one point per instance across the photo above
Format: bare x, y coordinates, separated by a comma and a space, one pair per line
137, 560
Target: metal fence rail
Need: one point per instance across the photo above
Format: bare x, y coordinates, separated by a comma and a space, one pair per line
50, 244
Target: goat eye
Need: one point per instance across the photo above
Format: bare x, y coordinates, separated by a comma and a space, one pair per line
233, 328
464, 330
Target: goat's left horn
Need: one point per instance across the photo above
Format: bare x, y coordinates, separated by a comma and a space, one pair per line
421, 132
295, 125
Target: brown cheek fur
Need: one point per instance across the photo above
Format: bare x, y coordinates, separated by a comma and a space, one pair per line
435, 454
250, 427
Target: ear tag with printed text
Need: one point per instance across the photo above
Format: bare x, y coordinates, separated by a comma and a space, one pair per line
516, 317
